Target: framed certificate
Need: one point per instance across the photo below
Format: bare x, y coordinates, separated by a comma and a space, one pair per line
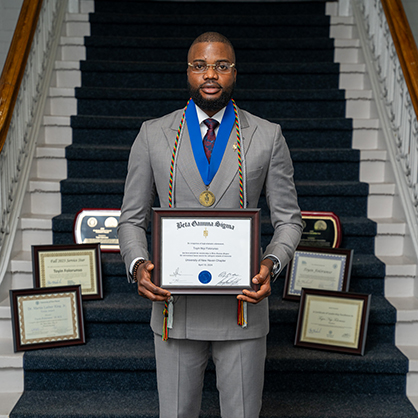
48, 317
334, 321
207, 251
63, 265
93, 226
318, 268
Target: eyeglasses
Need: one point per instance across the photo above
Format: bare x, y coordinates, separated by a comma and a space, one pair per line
221, 67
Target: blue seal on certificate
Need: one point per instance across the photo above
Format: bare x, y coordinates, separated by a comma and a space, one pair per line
205, 277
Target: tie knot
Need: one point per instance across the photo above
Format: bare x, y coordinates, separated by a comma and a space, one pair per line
211, 123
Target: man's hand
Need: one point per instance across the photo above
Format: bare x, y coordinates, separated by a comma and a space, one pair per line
263, 279
146, 288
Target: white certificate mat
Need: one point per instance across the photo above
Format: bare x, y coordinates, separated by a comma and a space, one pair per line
47, 318
318, 272
202, 253
333, 321
68, 268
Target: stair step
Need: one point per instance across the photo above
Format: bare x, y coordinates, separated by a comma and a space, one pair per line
121, 75
206, 7
314, 133
129, 403
132, 355
121, 48
7, 402
163, 25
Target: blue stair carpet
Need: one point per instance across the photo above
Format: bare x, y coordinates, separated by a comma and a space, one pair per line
135, 70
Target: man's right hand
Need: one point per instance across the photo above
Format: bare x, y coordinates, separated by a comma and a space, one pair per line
146, 288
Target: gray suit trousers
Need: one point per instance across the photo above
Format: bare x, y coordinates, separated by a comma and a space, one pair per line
239, 376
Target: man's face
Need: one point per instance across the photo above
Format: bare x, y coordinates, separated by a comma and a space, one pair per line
211, 91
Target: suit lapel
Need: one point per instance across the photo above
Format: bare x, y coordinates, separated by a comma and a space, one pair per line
229, 165
186, 165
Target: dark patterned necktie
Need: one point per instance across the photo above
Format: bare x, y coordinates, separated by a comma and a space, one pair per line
209, 139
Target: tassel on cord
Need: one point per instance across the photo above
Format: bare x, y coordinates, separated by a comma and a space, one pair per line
168, 318
164, 335
242, 314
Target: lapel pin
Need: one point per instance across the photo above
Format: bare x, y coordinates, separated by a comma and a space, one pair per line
234, 147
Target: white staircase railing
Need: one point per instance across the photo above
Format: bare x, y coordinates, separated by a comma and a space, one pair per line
19, 147
393, 101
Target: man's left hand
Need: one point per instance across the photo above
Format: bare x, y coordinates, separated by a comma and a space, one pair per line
263, 279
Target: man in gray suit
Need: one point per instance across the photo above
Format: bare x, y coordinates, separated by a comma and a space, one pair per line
175, 157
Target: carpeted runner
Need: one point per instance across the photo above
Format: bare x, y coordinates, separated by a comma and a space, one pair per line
135, 69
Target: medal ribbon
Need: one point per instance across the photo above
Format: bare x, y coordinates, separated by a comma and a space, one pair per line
208, 170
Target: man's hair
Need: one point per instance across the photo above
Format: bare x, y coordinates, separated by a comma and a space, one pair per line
213, 37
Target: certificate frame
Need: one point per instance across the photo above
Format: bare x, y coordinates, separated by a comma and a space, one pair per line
52, 265
340, 324
251, 218
303, 270
32, 327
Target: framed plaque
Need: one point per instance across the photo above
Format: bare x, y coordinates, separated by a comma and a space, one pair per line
48, 317
92, 226
334, 321
66, 265
321, 229
318, 268
206, 251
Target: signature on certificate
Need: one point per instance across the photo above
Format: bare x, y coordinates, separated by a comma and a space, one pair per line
176, 272
178, 276
228, 279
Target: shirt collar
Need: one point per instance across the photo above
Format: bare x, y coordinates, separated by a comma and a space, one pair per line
201, 115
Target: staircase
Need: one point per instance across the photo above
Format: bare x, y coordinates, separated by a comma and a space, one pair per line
134, 70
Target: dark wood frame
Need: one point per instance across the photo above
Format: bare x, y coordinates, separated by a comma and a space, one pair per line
341, 295
253, 214
16, 317
327, 216
36, 249
103, 247
319, 250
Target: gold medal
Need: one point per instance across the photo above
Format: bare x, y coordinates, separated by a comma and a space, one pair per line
207, 198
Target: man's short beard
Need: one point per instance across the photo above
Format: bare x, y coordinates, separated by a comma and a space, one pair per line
211, 105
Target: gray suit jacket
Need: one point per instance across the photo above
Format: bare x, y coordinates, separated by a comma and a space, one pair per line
268, 165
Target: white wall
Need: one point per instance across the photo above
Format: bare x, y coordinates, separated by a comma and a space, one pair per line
411, 10
9, 13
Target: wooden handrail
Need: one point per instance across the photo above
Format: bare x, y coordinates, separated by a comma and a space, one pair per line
15, 64
405, 45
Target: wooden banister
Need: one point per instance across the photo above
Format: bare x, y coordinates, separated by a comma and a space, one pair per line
15, 64
405, 45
